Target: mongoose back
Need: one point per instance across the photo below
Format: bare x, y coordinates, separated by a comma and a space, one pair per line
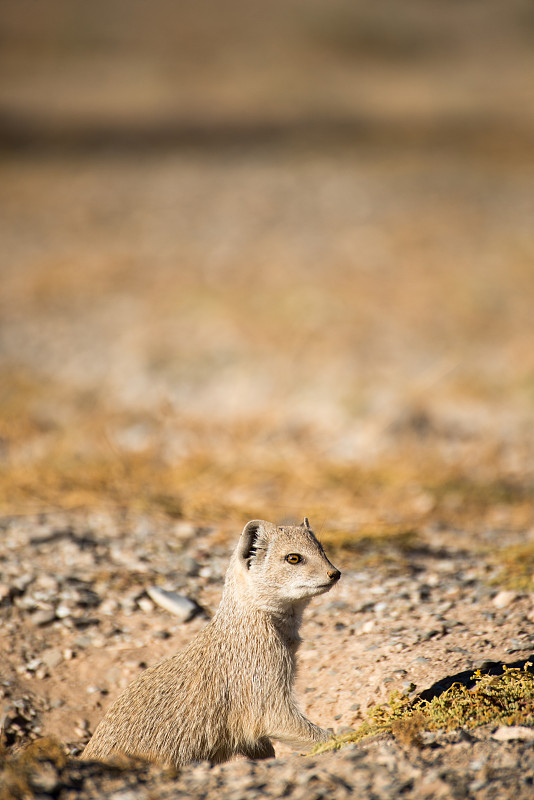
231, 690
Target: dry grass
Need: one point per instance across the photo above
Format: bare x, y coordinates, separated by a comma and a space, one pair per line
57, 455
276, 335
516, 567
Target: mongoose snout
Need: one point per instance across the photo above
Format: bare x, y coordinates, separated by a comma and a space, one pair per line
231, 690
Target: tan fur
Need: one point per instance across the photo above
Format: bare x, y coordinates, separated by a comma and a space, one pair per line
231, 690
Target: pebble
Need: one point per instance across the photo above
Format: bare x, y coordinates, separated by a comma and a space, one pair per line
177, 604
109, 606
504, 598
145, 605
189, 565
83, 642
368, 626
505, 733
51, 658
43, 616
5, 592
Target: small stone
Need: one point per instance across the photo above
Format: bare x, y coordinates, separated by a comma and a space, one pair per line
428, 737
145, 605
51, 658
109, 606
5, 592
368, 626
177, 604
184, 530
46, 582
189, 565
83, 641
504, 598
21, 583
163, 634
505, 733
476, 786
518, 644
63, 611
44, 616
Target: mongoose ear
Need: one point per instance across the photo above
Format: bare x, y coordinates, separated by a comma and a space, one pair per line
306, 524
249, 541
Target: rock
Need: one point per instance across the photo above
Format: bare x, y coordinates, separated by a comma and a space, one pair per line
44, 616
512, 733
45, 582
5, 592
163, 634
83, 642
51, 658
504, 598
109, 606
145, 605
177, 604
189, 565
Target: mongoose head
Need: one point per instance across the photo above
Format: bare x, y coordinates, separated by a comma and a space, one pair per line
278, 567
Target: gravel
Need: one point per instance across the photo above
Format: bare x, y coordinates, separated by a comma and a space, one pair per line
80, 619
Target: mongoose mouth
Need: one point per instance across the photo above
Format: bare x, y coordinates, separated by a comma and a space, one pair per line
319, 588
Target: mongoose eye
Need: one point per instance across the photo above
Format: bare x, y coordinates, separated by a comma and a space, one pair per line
293, 558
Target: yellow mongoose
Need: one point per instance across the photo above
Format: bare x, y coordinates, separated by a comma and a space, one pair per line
231, 690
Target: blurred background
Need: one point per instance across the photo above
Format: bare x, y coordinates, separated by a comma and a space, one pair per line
269, 259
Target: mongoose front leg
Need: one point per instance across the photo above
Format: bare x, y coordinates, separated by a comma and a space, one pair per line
294, 729
259, 750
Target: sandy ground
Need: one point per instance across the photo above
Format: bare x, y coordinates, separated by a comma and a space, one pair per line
78, 626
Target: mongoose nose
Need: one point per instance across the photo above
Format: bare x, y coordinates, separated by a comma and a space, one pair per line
334, 575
